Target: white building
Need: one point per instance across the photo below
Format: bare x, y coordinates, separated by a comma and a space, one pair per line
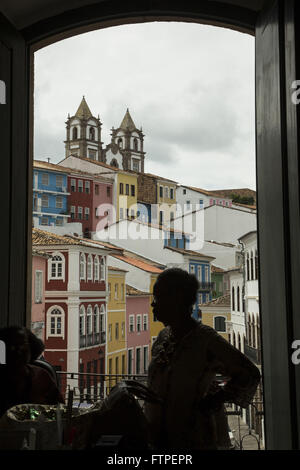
190, 198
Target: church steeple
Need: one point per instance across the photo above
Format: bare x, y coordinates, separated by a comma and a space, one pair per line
130, 141
84, 134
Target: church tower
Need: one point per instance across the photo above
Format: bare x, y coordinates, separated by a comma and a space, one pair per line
84, 134
130, 142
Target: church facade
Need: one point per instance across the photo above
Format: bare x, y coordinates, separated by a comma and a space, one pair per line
83, 139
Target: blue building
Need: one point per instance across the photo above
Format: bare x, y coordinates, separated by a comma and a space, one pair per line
50, 196
202, 271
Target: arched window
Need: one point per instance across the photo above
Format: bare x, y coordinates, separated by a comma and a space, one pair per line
114, 163
233, 340
249, 331
92, 133
239, 342
75, 133
55, 321
244, 343
102, 324
233, 299
238, 299
82, 321
89, 320
120, 142
96, 268
90, 267
96, 322
135, 144
102, 270
220, 324
56, 266
253, 332
82, 266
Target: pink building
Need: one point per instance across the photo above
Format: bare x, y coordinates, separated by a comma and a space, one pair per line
138, 331
102, 195
39, 264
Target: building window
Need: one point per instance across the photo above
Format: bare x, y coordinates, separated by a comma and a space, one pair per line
171, 193
122, 291
184, 192
102, 270
92, 133
220, 324
138, 360
146, 358
161, 189
45, 179
45, 200
82, 321
123, 329
138, 323
108, 191
120, 142
73, 185
172, 216
82, 266
96, 318
89, 320
109, 332
56, 265
59, 202
117, 331
86, 213
145, 322
116, 291
132, 190
80, 186
79, 213
87, 187
206, 274
73, 212
200, 273
44, 221
102, 324
161, 217
109, 291
135, 165
135, 144
188, 205
201, 202
121, 213
38, 287
233, 299
75, 133
97, 189
59, 222
121, 188
59, 181
130, 361
127, 189
55, 322
96, 268
238, 299
90, 268
166, 192
131, 323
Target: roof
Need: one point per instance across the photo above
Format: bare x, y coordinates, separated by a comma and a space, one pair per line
128, 122
203, 191
223, 301
42, 238
244, 205
83, 112
39, 253
150, 225
134, 292
138, 263
95, 162
216, 269
49, 166
114, 268
247, 234
159, 177
189, 252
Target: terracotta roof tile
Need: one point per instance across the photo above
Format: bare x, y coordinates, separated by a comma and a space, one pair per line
139, 264
135, 292
189, 252
223, 301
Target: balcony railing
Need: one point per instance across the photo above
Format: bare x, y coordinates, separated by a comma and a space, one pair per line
206, 286
92, 339
253, 354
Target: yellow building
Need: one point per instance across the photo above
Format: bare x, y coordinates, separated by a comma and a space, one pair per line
166, 200
116, 347
126, 195
217, 314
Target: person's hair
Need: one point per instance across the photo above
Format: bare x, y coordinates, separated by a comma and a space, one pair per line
36, 345
175, 279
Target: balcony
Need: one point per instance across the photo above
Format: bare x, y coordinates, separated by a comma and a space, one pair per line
253, 354
92, 339
206, 286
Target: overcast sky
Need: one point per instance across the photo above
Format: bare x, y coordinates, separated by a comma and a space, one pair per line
190, 87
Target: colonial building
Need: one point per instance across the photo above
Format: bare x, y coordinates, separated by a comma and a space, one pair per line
217, 314
50, 195
75, 308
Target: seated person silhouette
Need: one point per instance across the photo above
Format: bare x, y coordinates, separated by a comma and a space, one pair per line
186, 357
21, 381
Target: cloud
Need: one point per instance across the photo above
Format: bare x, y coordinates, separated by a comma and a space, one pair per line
190, 86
